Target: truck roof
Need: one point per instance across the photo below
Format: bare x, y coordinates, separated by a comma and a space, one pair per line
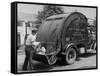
58, 16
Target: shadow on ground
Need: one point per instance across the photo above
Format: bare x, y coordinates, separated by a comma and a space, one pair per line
86, 55
43, 66
39, 66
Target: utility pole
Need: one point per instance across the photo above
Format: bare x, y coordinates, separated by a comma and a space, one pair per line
25, 32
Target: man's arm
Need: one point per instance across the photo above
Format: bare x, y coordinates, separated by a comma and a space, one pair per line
33, 39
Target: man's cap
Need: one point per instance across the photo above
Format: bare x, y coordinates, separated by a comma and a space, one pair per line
34, 29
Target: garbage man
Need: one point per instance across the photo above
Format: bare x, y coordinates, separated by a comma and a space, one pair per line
28, 48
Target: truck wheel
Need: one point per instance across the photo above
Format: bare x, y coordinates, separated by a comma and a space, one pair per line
70, 56
52, 60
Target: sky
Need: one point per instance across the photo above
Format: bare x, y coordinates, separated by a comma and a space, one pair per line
29, 8
33, 9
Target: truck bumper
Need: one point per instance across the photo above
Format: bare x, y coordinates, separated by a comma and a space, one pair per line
41, 57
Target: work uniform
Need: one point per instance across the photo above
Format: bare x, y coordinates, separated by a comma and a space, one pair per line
28, 48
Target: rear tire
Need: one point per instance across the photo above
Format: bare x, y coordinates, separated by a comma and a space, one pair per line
70, 56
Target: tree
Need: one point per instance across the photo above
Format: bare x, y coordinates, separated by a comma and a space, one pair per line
49, 10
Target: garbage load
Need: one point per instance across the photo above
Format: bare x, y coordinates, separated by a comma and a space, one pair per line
62, 29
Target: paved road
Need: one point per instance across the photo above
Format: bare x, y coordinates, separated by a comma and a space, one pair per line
84, 61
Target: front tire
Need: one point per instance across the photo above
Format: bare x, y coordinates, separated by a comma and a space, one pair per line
52, 60
70, 56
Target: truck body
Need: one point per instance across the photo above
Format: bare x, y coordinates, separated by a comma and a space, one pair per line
62, 36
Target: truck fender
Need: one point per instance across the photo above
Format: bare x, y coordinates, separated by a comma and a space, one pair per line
68, 46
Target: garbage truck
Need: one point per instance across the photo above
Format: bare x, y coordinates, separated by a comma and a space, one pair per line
61, 37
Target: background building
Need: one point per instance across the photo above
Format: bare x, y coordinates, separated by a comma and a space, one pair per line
24, 26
